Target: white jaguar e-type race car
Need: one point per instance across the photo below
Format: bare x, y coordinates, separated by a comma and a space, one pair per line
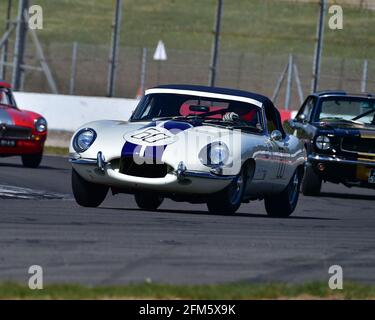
191, 143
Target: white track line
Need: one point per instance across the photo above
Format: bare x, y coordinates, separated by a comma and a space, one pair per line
12, 192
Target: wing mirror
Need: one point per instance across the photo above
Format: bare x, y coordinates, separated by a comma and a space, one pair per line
302, 118
276, 135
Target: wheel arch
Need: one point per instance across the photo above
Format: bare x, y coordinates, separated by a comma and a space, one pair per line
301, 170
249, 165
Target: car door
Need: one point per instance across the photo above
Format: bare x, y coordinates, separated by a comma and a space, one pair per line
281, 162
301, 124
279, 147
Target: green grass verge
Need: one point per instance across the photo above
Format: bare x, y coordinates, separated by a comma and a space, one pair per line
262, 26
57, 151
160, 291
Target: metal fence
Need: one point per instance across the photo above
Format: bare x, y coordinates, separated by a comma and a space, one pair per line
245, 71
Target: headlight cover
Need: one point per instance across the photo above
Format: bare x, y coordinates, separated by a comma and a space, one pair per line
41, 125
323, 142
214, 154
84, 139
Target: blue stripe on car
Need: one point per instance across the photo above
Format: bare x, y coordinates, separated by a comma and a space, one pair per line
128, 149
176, 126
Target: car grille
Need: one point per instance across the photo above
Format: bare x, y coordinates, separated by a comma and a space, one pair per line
356, 144
14, 132
144, 170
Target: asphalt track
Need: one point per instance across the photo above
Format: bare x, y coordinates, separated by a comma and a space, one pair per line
40, 224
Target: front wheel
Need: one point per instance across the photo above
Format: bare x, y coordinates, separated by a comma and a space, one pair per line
148, 200
87, 194
229, 200
282, 205
32, 160
311, 183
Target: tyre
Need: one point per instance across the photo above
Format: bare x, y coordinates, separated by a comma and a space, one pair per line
229, 200
282, 205
148, 200
32, 160
87, 194
311, 183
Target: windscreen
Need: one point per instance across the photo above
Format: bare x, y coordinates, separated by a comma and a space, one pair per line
348, 109
162, 105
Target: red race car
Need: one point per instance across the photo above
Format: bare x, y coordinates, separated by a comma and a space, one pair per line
22, 133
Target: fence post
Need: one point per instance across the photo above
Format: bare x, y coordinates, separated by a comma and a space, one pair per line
143, 70
114, 50
288, 93
215, 45
278, 84
73, 70
4, 50
364, 76
319, 46
298, 82
43, 62
19, 46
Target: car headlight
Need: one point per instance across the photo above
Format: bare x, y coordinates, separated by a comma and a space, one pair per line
41, 125
84, 139
214, 154
323, 143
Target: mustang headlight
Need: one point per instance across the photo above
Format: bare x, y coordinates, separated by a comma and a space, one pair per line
41, 125
215, 154
84, 139
323, 143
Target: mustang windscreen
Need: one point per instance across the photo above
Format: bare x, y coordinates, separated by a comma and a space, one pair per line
360, 110
159, 106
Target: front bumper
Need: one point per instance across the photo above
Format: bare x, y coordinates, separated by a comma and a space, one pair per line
339, 170
23, 147
180, 180
336, 160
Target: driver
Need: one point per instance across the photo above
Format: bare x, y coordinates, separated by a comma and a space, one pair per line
231, 116
238, 113
242, 115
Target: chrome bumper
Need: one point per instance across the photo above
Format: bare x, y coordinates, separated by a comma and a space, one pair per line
83, 161
320, 158
205, 175
181, 172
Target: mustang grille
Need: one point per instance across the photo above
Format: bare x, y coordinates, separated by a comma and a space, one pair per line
145, 170
356, 144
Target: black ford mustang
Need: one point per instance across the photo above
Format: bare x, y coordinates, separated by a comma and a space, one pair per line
338, 131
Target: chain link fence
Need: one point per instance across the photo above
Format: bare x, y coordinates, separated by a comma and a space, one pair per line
246, 71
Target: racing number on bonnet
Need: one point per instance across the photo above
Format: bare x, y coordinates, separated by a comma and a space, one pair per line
150, 135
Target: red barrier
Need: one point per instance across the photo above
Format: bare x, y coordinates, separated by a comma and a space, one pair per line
285, 114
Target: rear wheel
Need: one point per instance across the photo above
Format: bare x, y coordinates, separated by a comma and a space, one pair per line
311, 183
148, 200
229, 200
87, 194
32, 160
282, 205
